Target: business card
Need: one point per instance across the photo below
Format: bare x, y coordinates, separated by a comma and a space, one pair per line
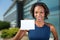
27, 25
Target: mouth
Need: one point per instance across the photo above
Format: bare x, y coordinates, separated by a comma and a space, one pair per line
39, 18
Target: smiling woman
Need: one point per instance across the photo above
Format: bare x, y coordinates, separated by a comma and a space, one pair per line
40, 12
42, 30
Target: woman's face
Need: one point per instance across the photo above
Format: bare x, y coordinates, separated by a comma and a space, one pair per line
39, 13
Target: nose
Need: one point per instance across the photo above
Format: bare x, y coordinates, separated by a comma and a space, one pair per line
39, 14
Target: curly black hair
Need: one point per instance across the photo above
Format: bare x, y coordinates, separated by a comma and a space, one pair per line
40, 4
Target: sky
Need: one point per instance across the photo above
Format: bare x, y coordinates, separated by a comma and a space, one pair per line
4, 6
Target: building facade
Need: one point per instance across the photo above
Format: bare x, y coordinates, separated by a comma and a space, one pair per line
53, 5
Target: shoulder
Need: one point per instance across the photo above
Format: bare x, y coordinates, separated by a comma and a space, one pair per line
49, 24
52, 27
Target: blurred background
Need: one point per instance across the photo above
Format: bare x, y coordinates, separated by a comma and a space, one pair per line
12, 11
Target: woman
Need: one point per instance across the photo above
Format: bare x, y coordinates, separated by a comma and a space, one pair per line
42, 30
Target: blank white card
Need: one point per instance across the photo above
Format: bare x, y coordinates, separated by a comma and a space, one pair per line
27, 25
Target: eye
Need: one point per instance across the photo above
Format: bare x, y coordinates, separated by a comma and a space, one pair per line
41, 12
36, 12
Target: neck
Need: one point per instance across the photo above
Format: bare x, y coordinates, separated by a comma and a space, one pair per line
39, 23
